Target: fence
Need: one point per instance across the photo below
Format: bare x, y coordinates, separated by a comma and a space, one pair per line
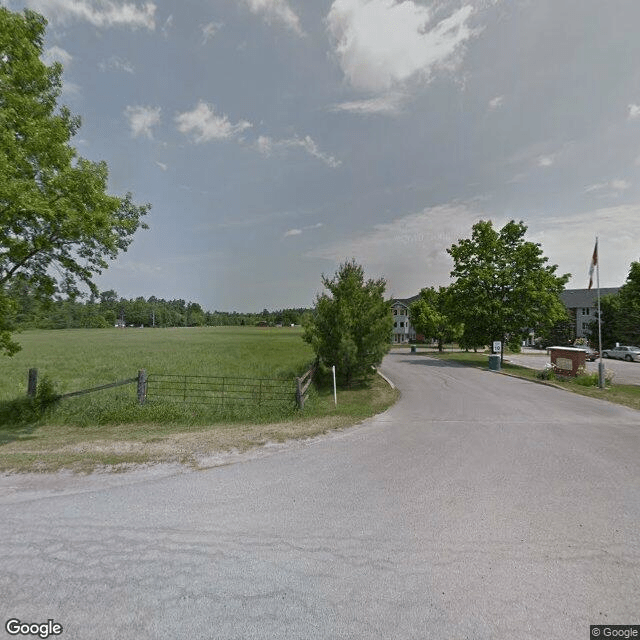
218, 390
140, 379
302, 387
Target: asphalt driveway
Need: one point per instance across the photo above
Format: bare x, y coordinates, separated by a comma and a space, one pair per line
480, 506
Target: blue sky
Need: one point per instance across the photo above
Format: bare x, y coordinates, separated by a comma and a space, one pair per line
277, 138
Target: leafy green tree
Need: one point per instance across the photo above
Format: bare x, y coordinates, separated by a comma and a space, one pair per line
351, 325
431, 315
559, 333
55, 213
628, 319
502, 284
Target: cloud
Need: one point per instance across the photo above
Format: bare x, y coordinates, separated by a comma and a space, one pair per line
168, 23
389, 104
496, 103
617, 244
546, 161
267, 146
142, 119
209, 30
297, 232
56, 54
204, 125
611, 188
384, 43
409, 251
276, 11
114, 63
103, 13
634, 111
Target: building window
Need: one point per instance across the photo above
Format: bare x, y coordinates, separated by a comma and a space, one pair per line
395, 312
395, 324
402, 324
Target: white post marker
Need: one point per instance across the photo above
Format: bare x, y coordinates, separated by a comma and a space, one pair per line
335, 396
497, 346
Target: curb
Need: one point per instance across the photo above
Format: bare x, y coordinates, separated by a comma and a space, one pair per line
393, 386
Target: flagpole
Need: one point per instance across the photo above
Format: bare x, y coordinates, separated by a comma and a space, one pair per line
600, 364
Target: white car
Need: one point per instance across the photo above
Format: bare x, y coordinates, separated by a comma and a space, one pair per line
623, 353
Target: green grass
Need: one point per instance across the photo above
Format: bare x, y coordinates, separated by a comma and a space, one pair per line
110, 428
625, 394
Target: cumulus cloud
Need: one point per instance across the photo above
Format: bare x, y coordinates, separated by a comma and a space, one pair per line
203, 124
634, 111
56, 54
100, 13
276, 11
142, 120
267, 145
389, 104
383, 43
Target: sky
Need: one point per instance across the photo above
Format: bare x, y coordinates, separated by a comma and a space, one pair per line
276, 139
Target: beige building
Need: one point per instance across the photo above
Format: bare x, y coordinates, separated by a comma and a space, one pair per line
402, 330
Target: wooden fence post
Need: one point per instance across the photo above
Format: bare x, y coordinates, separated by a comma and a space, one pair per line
32, 385
142, 385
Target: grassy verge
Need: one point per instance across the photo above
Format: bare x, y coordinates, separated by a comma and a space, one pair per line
50, 447
110, 428
625, 394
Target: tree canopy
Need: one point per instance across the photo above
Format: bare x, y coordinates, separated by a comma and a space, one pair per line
503, 284
620, 313
431, 315
351, 325
56, 216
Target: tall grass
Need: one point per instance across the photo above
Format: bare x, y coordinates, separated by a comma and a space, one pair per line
83, 358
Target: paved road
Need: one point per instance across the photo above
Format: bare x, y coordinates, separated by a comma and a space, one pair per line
479, 507
624, 372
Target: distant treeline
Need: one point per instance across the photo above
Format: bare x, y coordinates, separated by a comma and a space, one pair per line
108, 310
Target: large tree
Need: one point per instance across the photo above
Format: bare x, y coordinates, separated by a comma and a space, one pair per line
431, 315
620, 313
503, 284
351, 325
56, 216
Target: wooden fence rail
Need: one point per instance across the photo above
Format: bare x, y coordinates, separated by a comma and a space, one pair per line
140, 379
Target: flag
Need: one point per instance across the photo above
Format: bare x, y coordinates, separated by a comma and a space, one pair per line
594, 262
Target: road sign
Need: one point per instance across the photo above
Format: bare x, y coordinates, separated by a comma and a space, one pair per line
497, 346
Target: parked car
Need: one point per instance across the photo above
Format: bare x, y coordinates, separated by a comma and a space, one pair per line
591, 354
623, 353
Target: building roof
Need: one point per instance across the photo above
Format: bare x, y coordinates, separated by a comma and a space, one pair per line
405, 301
576, 298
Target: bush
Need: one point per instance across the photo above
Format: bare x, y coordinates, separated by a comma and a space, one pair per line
548, 373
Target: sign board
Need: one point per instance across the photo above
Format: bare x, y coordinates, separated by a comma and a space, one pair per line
497, 346
565, 364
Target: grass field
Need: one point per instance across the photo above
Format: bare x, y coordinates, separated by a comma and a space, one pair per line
110, 428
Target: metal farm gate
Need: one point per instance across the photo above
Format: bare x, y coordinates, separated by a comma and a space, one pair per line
221, 390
